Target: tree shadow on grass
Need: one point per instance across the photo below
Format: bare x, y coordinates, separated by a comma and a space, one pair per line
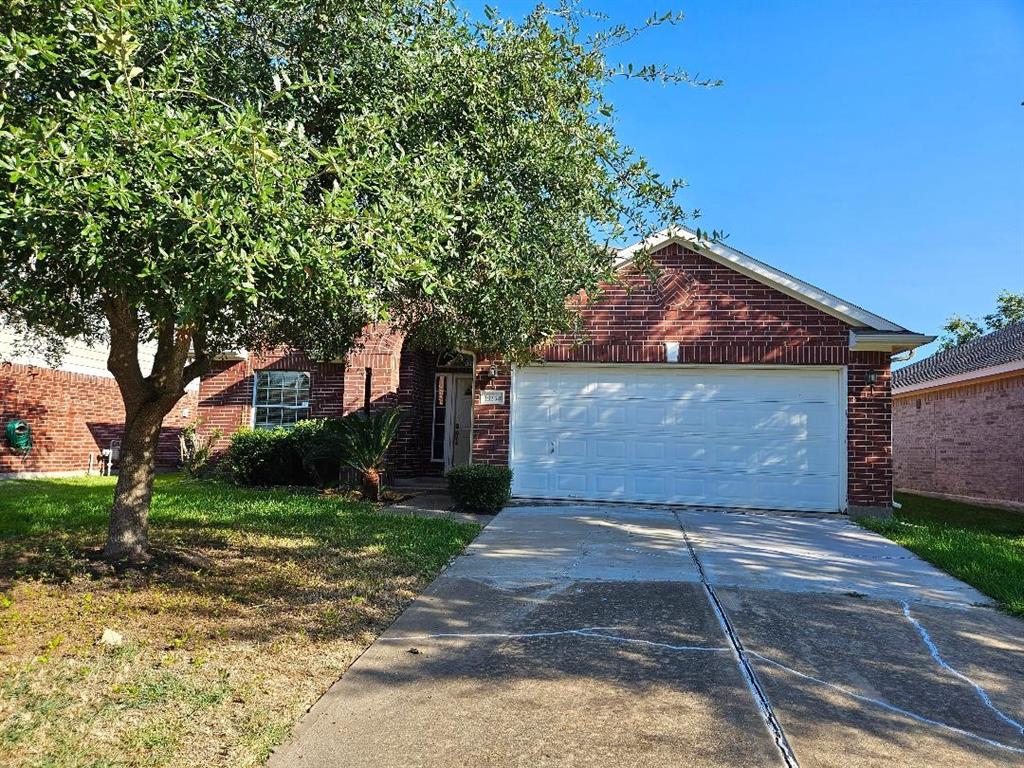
245, 564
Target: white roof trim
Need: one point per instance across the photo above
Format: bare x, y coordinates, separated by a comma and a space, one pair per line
870, 341
758, 270
981, 373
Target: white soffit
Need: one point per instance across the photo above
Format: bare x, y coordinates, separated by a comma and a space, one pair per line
870, 341
763, 273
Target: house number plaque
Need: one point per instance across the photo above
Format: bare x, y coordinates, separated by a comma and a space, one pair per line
492, 397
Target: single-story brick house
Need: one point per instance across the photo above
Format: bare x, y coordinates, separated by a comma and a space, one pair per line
958, 421
726, 382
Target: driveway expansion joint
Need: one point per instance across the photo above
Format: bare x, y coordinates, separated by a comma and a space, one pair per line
757, 690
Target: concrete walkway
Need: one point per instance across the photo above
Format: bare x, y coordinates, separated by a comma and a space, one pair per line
623, 636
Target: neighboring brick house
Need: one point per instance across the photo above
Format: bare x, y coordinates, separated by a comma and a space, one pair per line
75, 411
958, 421
726, 383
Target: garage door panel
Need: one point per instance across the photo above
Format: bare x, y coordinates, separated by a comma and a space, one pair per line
610, 484
653, 414
650, 485
608, 415
611, 449
726, 437
569, 449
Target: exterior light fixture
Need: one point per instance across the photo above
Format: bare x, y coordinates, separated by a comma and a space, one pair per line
872, 377
491, 374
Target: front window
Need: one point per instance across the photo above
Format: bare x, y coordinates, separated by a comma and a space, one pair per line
281, 399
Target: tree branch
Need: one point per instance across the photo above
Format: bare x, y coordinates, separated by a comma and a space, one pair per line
123, 358
172, 348
201, 360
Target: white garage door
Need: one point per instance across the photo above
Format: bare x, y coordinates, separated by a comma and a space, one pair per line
761, 438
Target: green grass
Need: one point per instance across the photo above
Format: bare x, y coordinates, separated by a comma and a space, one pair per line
182, 507
982, 546
257, 601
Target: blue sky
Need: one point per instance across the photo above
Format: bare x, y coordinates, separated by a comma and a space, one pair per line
875, 149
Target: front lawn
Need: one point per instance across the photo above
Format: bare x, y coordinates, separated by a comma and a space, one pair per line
984, 547
259, 601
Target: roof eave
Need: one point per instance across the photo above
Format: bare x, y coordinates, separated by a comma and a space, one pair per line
871, 341
988, 372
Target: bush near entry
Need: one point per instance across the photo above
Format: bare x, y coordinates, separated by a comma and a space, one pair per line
481, 488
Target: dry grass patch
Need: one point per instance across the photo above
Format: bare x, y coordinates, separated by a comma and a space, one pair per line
257, 603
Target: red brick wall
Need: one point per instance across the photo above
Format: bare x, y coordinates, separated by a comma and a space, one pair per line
490, 422
380, 349
410, 454
869, 430
962, 441
225, 394
73, 416
718, 315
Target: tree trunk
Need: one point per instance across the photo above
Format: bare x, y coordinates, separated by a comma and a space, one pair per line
128, 535
371, 485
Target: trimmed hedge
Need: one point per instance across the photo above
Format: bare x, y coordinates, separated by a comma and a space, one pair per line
307, 454
480, 487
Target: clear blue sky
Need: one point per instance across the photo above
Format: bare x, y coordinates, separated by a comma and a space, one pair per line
875, 149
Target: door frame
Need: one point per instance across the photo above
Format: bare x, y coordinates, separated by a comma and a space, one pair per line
843, 404
451, 377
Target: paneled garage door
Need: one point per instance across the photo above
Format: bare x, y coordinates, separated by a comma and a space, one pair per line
752, 437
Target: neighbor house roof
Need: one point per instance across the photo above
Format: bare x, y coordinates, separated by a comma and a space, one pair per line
994, 353
869, 332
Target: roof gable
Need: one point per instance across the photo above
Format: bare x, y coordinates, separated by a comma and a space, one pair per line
848, 312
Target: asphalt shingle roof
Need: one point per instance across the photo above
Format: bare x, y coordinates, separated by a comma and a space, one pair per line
997, 348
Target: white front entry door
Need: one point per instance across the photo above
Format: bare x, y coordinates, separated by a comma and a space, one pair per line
462, 420
717, 436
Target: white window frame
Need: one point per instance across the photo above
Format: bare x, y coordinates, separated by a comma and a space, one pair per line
304, 406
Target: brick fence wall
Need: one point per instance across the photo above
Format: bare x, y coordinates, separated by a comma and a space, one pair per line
962, 441
718, 316
73, 416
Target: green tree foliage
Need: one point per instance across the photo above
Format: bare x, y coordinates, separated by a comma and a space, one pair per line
255, 173
960, 330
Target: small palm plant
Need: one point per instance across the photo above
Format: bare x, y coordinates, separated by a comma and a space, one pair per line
365, 439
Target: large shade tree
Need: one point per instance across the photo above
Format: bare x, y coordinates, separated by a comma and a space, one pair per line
199, 177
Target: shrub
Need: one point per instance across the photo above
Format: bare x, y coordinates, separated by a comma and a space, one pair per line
480, 487
364, 441
195, 451
312, 452
264, 457
320, 448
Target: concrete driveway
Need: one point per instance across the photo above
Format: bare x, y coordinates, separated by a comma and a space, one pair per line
625, 636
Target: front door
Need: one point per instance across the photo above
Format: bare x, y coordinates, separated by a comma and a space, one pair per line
462, 420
